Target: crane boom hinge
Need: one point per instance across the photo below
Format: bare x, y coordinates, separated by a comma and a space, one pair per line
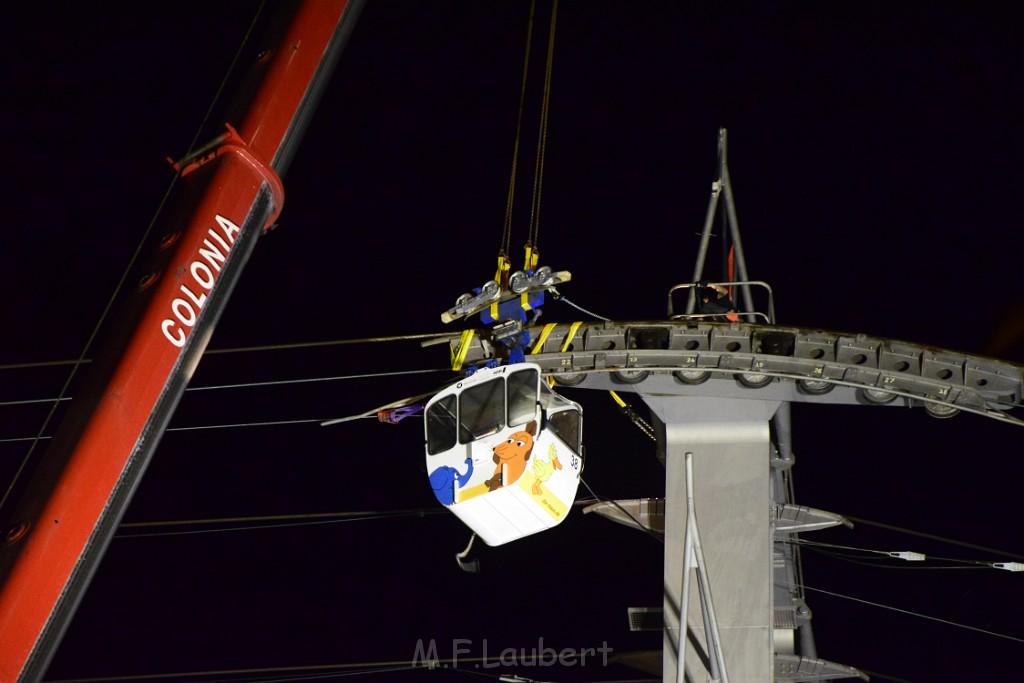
230, 142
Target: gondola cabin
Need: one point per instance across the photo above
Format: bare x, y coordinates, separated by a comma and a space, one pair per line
504, 452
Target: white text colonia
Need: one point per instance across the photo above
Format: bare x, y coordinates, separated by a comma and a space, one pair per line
203, 270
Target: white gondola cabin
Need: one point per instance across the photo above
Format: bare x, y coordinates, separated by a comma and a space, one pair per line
504, 452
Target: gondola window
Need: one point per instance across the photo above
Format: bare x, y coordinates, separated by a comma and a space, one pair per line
522, 397
441, 421
481, 410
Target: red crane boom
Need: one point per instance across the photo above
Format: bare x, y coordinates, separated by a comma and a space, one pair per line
58, 525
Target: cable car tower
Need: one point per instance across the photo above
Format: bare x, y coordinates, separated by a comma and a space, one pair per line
720, 393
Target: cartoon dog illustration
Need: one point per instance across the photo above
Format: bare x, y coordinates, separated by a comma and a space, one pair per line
510, 457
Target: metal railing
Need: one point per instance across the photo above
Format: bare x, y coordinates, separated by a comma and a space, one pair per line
750, 315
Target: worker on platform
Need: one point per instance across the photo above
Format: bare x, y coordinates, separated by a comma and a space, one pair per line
714, 300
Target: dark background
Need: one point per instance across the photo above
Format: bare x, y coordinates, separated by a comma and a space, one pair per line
874, 152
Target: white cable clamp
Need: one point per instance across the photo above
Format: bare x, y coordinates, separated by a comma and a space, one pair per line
1009, 566
908, 555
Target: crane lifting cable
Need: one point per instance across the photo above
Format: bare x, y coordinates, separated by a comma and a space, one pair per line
505, 301
504, 414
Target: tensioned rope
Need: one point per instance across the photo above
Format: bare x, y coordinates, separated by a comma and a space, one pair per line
244, 349
261, 522
267, 383
538, 174
273, 521
934, 537
506, 236
913, 614
131, 262
330, 671
534, 225
241, 385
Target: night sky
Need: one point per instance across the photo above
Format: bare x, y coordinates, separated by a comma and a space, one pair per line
874, 153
